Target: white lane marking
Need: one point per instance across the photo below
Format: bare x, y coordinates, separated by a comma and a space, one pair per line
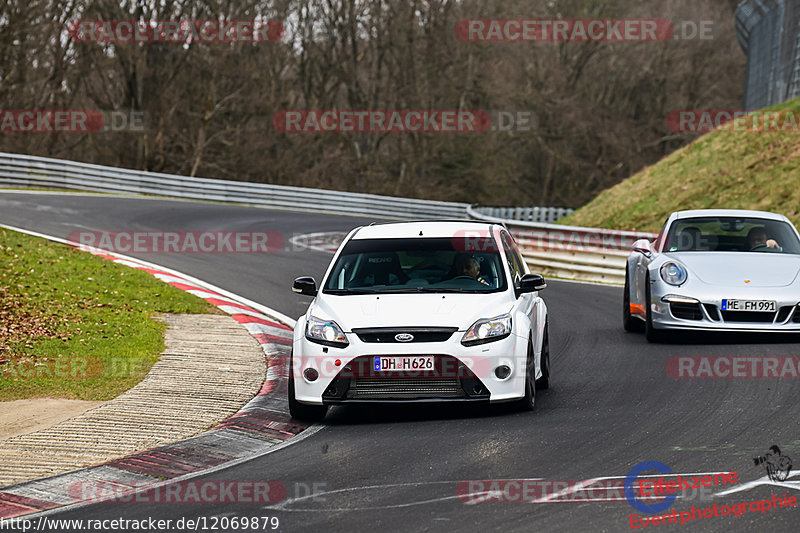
282, 506
319, 241
490, 494
255, 328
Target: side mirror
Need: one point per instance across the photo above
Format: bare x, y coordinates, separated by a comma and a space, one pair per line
305, 285
531, 283
644, 247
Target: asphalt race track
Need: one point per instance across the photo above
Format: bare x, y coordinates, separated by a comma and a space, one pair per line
611, 404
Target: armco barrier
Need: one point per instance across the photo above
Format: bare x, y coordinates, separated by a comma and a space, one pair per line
585, 254
32, 171
525, 213
571, 252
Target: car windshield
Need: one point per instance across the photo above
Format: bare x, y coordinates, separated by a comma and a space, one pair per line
732, 234
368, 266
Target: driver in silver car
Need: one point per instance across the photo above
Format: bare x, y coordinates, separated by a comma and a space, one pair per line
757, 238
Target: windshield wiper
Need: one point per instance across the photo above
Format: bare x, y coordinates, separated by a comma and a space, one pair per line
348, 291
422, 289
409, 290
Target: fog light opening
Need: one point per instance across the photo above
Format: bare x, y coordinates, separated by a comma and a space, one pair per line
311, 374
502, 372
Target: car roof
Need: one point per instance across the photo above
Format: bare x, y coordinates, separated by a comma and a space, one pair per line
691, 213
431, 229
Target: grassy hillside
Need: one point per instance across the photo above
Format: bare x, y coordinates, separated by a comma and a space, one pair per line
75, 325
736, 170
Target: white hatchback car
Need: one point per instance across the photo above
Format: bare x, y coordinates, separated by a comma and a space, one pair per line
421, 312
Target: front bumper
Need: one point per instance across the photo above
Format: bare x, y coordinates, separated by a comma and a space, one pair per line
707, 313
461, 373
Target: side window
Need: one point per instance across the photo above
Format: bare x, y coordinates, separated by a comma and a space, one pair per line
514, 263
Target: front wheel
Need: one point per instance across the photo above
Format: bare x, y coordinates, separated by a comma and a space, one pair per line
527, 402
302, 411
650, 332
543, 382
629, 322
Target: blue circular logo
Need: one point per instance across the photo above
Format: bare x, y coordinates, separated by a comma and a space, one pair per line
630, 493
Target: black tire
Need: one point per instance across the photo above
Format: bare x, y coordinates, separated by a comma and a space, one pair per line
651, 333
629, 322
543, 383
527, 402
302, 411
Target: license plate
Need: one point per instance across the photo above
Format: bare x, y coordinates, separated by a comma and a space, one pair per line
762, 306
401, 363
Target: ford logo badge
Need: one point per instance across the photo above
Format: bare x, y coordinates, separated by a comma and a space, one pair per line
404, 337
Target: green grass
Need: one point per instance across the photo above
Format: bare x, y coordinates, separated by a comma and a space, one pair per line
733, 170
73, 325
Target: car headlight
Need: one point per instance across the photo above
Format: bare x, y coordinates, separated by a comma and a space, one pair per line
488, 330
325, 332
673, 273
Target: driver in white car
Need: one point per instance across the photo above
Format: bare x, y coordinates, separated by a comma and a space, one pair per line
467, 265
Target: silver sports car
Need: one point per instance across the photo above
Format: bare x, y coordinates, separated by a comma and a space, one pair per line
715, 269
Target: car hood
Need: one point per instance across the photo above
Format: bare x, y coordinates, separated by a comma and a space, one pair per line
409, 310
762, 269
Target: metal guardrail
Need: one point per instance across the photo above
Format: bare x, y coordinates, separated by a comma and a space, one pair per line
571, 252
32, 171
528, 214
584, 254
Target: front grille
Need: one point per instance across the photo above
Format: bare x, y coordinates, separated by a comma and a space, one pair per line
398, 388
374, 335
686, 311
449, 379
783, 313
713, 311
796, 316
747, 316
